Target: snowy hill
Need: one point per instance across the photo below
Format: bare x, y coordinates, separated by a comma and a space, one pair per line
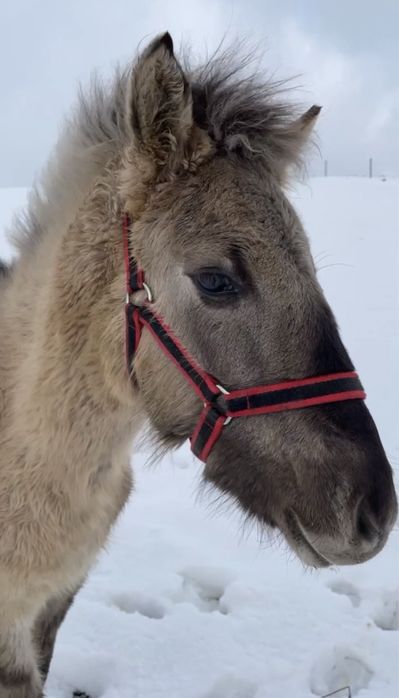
185, 603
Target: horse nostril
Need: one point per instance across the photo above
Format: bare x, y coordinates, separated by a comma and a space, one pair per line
376, 505
366, 525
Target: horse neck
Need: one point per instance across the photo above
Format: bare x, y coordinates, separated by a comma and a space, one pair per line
70, 380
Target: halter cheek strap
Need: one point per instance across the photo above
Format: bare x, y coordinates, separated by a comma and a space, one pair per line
221, 405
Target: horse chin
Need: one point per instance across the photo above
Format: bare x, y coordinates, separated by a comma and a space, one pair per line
300, 544
167, 437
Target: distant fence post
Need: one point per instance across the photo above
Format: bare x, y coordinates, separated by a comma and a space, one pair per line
326, 168
370, 167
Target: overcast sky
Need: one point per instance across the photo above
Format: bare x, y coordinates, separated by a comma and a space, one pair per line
344, 52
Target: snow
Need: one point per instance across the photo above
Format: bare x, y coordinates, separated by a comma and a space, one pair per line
186, 602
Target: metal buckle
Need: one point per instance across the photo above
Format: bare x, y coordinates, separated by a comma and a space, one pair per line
224, 392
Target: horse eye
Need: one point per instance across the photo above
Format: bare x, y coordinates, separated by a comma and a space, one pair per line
214, 283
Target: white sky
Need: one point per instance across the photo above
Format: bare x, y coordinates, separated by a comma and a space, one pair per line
345, 54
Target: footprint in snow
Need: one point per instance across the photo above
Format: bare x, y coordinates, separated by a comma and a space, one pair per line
204, 588
232, 687
381, 606
344, 588
86, 673
386, 611
136, 602
339, 667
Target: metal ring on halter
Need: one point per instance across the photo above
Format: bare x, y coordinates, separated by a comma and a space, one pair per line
148, 291
224, 392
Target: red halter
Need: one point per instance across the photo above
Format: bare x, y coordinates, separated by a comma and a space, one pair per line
221, 405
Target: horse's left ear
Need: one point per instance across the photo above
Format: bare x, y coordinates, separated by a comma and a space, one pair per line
159, 105
288, 143
306, 122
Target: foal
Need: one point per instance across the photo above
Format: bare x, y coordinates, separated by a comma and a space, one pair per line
192, 165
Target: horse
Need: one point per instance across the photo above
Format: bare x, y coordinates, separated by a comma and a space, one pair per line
163, 277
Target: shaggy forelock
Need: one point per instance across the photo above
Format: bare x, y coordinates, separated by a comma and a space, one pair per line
241, 112
239, 109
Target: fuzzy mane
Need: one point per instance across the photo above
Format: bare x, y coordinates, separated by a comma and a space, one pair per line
240, 112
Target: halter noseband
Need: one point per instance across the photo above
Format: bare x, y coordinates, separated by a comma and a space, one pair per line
221, 405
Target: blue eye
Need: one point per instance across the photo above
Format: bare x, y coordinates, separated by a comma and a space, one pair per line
214, 283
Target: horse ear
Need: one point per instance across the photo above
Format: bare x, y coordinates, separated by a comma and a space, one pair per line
305, 124
288, 143
159, 108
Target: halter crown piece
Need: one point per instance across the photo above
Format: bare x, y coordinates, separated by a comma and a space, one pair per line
221, 405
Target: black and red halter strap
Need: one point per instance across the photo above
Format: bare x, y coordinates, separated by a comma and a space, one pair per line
221, 405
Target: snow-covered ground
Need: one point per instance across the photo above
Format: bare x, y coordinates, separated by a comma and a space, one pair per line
185, 603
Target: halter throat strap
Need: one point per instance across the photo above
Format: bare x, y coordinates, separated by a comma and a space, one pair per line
220, 406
